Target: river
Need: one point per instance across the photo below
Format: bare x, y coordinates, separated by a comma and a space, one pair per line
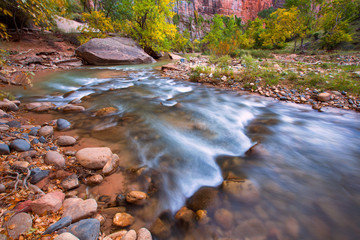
307, 170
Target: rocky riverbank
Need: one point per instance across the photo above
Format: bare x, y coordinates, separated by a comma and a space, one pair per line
277, 77
40, 181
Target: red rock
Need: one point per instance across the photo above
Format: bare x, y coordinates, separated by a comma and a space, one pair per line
23, 206
123, 219
79, 209
50, 202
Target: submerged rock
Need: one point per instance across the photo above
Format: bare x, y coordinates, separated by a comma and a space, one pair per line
137, 197
242, 190
62, 124
113, 51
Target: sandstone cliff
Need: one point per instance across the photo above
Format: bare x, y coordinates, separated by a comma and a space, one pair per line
245, 9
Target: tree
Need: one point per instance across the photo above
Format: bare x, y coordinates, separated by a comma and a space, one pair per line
283, 24
40, 12
150, 24
308, 13
335, 18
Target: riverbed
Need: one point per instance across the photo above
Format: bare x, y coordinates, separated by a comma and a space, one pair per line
187, 137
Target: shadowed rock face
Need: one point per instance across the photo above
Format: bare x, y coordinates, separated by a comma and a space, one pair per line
245, 9
112, 51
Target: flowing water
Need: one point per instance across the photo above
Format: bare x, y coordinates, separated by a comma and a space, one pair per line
307, 169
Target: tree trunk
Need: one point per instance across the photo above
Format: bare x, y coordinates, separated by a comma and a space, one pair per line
302, 43
295, 44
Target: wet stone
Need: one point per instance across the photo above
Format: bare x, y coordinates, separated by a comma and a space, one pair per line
4, 149
94, 180
87, 229
137, 197
35, 141
144, 234
20, 145
18, 224
63, 222
244, 191
120, 200
62, 124
224, 218
123, 219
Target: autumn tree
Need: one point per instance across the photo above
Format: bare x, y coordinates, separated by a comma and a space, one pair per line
283, 24
151, 24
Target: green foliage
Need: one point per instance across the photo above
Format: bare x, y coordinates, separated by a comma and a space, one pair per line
334, 21
7, 95
222, 62
266, 12
223, 36
176, 19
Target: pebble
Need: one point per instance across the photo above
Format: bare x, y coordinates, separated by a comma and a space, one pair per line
100, 217
94, 180
137, 197
55, 158
224, 218
70, 108
35, 141
87, 229
2, 188
116, 235
66, 141
244, 191
4, 149
70, 182
161, 229
144, 234
185, 215
46, 131
130, 235
26, 154
20, 145
66, 236
63, 222
37, 175
78, 208
123, 219
323, 97
42, 139
111, 165
34, 131
14, 124
39, 106
62, 124
50, 202
20, 164
18, 224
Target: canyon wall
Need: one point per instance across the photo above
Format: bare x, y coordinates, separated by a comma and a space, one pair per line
244, 9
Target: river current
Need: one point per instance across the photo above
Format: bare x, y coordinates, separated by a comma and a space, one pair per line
307, 173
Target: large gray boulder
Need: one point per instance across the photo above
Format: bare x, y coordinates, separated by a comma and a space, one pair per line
112, 51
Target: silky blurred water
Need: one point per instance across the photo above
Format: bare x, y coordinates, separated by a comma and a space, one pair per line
195, 135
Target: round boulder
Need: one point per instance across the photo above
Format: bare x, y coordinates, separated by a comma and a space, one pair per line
46, 131
20, 145
94, 158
